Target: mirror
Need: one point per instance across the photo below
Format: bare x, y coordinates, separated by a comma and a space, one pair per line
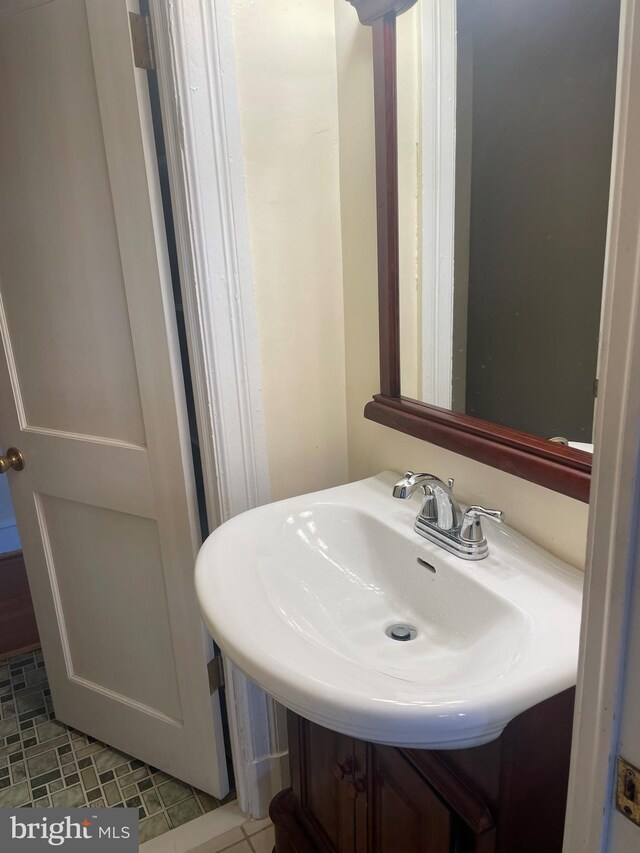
505, 126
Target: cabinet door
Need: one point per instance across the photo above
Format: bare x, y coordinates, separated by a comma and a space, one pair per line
404, 813
325, 787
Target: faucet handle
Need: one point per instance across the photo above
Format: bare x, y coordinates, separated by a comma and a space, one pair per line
471, 529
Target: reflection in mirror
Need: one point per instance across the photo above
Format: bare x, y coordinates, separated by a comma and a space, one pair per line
505, 126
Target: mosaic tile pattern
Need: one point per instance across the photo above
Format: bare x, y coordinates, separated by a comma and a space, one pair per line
44, 763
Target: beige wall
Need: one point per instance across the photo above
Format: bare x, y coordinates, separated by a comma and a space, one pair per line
309, 159
287, 87
556, 522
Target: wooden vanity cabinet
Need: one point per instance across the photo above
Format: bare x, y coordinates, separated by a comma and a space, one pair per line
349, 796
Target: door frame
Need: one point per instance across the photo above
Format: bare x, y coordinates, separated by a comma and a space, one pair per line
195, 62
614, 531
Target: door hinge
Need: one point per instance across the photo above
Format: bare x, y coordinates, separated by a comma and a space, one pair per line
142, 41
628, 790
595, 387
215, 669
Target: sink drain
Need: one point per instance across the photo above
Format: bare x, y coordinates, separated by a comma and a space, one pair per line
401, 631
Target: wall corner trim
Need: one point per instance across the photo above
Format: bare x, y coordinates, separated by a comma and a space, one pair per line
196, 75
609, 638
197, 80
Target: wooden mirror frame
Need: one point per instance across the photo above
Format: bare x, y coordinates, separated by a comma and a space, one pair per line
555, 466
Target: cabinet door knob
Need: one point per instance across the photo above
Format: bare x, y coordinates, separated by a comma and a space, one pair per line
355, 787
342, 770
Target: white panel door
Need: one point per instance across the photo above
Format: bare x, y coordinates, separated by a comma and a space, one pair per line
92, 391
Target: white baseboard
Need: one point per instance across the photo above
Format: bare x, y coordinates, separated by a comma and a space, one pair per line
196, 832
264, 776
9, 536
258, 742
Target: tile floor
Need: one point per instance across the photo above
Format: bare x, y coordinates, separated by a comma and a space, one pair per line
44, 763
223, 829
254, 836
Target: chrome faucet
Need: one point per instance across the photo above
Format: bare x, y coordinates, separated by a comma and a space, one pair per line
441, 519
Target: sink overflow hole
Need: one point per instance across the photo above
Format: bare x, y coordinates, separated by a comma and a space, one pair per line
427, 565
401, 631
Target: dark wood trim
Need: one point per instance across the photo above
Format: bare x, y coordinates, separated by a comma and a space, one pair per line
529, 774
556, 467
19, 650
362, 812
370, 11
10, 555
559, 468
18, 627
291, 831
294, 739
386, 121
464, 801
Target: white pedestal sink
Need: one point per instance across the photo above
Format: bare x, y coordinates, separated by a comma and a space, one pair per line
299, 595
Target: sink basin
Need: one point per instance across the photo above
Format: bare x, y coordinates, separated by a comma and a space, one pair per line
299, 594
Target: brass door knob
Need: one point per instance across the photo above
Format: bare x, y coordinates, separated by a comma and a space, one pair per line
14, 459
